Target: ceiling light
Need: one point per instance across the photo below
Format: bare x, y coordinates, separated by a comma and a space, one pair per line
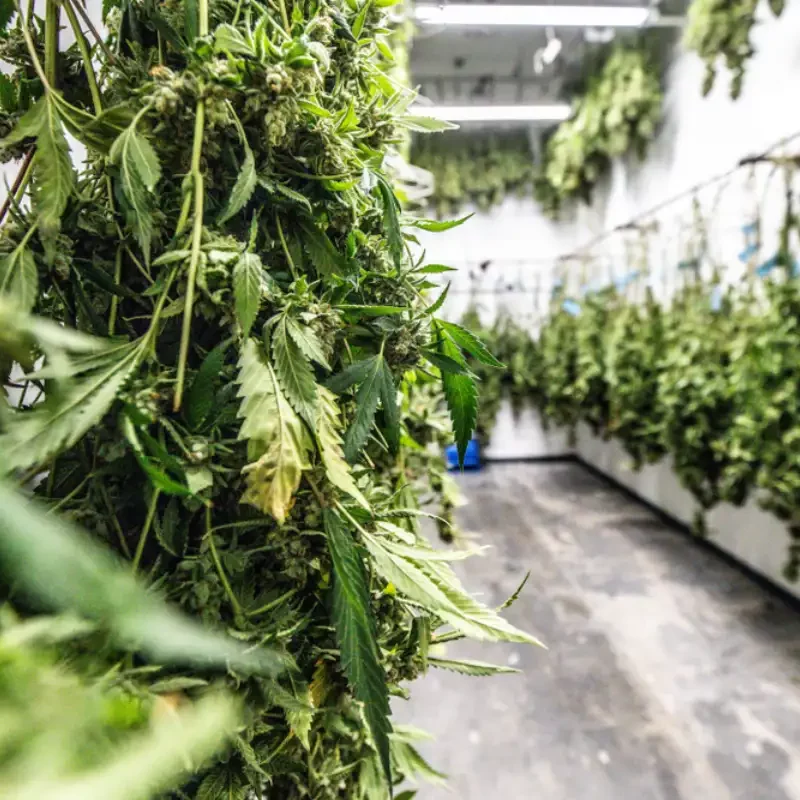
555, 112
543, 16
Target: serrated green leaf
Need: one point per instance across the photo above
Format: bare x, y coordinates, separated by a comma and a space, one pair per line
243, 188
308, 341
200, 395
444, 363
140, 171
301, 715
391, 411
462, 398
228, 39
422, 124
432, 583
279, 442
247, 286
391, 220
179, 684
351, 375
438, 303
64, 569
294, 372
438, 226
54, 177
434, 269
34, 436
366, 405
324, 256
327, 431
373, 311
7, 9
356, 634
19, 277
464, 666
469, 342
8, 89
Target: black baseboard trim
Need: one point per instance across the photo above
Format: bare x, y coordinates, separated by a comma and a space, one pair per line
779, 593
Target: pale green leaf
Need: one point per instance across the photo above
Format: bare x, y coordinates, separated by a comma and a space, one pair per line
35, 435
247, 286
301, 715
294, 372
356, 634
422, 124
327, 431
308, 341
243, 188
391, 220
464, 666
139, 172
19, 277
437, 226
433, 584
228, 39
278, 442
64, 569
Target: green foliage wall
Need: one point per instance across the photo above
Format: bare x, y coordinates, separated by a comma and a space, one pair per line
710, 380
229, 370
475, 168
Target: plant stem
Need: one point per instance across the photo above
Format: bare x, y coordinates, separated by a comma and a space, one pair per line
86, 56
18, 182
285, 16
97, 37
285, 247
112, 316
148, 523
197, 235
26, 34
237, 609
52, 16
274, 604
202, 13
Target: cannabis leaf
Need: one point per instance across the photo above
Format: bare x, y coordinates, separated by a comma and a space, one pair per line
391, 411
279, 442
140, 171
247, 290
245, 184
355, 632
54, 178
308, 341
66, 570
19, 278
461, 396
324, 256
467, 340
34, 436
470, 667
366, 405
432, 583
294, 372
438, 226
391, 220
200, 396
327, 429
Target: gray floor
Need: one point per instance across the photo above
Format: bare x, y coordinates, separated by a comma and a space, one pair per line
669, 675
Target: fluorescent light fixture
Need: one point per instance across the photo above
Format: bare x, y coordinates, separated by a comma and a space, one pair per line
542, 16
555, 112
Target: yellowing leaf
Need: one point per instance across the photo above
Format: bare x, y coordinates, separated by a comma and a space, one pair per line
330, 445
279, 442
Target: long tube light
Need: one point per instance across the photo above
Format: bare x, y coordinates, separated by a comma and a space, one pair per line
554, 112
540, 16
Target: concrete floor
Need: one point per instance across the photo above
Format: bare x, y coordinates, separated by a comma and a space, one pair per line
670, 675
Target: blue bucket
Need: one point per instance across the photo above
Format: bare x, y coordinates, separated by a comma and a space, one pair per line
472, 456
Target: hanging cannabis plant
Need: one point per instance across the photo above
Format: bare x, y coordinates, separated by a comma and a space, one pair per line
721, 29
235, 240
618, 114
477, 168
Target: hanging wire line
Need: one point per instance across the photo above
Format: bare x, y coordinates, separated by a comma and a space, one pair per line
635, 221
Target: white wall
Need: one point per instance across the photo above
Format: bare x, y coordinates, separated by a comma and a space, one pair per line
700, 137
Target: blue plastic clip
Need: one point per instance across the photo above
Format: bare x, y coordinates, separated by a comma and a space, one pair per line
764, 269
571, 307
750, 250
750, 227
715, 299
